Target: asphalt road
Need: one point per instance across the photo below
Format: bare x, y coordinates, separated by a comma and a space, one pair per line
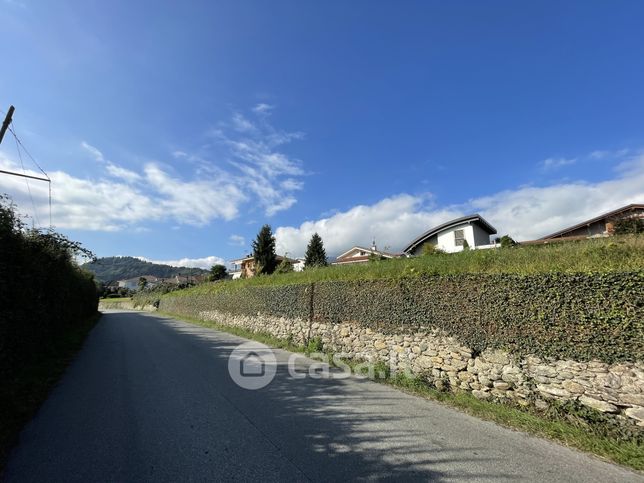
151, 399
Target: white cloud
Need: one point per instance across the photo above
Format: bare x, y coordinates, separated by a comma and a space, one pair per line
95, 152
525, 213
118, 197
604, 154
392, 222
237, 240
106, 205
205, 262
123, 173
242, 124
262, 108
555, 163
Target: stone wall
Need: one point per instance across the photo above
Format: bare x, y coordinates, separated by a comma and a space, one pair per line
441, 360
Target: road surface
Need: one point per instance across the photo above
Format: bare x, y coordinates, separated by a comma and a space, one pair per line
150, 399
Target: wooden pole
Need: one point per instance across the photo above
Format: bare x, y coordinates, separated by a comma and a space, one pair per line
7, 121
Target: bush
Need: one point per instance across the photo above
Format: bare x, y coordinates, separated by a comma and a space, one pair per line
43, 293
578, 316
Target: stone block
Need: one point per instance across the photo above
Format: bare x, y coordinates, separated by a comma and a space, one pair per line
501, 386
553, 390
635, 413
573, 387
601, 406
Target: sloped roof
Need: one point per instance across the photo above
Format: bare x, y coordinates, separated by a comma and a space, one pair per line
610, 214
475, 218
368, 250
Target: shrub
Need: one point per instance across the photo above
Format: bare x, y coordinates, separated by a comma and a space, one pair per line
578, 316
43, 292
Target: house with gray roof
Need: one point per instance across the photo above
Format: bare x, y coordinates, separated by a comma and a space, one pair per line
452, 236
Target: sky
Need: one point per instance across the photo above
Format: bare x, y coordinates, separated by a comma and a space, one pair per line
173, 131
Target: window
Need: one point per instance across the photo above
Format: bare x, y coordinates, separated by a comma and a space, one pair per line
459, 237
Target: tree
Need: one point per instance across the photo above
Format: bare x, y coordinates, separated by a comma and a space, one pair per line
264, 251
507, 241
431, 249
217, 272
142, 283
627, 226
315, 253
284, 267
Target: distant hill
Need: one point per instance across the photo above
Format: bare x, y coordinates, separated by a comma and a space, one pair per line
120, 268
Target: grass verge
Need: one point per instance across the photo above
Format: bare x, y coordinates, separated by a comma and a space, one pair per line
24, 391
561, 424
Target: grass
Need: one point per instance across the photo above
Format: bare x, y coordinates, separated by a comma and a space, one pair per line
26, 389
604, 255
115, 301
563, 425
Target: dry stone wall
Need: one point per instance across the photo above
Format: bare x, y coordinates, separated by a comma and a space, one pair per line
441, 360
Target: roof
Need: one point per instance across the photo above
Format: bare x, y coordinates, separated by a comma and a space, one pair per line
475, 218
279, 258
368, 250
610, 214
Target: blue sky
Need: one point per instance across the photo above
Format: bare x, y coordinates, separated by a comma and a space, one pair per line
174, 130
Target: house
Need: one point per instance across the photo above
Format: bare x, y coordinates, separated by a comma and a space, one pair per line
298, 265
600, 226
133, 283
359, 254
245, 267
451, 236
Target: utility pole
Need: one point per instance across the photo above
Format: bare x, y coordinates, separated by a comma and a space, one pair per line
7, 121
5, 125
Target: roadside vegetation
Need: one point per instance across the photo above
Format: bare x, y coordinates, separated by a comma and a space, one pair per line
47, 306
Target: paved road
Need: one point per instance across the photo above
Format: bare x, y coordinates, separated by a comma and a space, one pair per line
151, 399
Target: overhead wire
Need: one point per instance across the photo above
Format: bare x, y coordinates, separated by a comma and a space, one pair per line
24, 171
19, 145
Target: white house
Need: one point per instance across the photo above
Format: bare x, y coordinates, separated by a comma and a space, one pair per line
298, 265
451, 236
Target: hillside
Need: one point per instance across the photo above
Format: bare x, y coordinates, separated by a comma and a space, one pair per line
120, 268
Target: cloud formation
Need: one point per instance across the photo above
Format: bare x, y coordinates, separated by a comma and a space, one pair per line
205, 262
525, 213
555, 163
254, 169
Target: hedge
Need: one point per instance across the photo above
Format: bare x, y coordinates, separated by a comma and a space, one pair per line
43, 293
576, 316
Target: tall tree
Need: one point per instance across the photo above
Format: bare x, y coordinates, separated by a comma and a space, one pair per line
315, 253
264, 251
217, 272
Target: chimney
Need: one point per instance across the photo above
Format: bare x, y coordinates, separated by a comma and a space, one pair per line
373, 245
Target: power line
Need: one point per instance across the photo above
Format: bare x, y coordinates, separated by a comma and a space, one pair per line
9, 125
27, 181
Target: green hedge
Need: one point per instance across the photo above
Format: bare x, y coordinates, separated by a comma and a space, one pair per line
582, 317
43, 293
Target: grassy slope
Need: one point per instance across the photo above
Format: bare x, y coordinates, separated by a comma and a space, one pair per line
616, 254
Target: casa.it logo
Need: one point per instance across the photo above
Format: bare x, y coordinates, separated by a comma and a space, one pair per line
252, 365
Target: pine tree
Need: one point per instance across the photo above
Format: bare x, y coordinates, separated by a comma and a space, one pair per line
315, 254
264, 251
